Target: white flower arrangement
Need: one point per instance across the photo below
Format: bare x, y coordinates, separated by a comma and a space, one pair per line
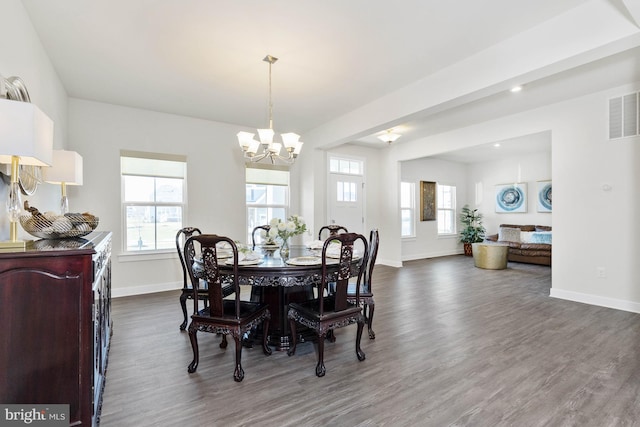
284, 229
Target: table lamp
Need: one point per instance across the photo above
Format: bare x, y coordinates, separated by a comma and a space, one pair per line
26, 137
65, 170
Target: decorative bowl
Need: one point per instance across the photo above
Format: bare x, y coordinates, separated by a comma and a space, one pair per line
50, 226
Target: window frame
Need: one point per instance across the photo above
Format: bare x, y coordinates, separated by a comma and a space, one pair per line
451, 210
125, 204
268, 206
411, 209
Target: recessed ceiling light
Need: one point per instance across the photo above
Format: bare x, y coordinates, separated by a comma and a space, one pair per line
516, 89
497, 144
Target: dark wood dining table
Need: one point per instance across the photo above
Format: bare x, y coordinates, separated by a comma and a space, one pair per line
277, 283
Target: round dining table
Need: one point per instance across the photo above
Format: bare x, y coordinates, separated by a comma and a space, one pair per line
277, 283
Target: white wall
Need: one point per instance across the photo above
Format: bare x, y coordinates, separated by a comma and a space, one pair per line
593, 228
533, 167
23, 56
427, 244
215, 180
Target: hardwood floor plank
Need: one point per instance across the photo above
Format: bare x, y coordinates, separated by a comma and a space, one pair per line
455, 345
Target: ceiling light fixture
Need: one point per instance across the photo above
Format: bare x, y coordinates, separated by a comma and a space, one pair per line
266, 149
516, 89
389, 137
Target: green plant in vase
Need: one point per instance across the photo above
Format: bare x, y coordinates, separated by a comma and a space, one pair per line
473, 231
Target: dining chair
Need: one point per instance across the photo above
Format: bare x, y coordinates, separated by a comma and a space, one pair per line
256, 231
187, 289
224, 316
327, 311
366, 290
333, 230
181, 237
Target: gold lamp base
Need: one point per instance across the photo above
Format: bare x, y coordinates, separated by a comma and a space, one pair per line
13, 244
9, 246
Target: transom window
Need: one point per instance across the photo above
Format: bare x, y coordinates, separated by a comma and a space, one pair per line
345, 166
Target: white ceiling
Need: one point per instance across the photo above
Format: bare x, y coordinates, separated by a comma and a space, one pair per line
203, 58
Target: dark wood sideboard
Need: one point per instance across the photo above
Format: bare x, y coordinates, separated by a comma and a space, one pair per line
55, 324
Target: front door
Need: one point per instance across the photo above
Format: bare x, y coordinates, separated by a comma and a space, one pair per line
346, 197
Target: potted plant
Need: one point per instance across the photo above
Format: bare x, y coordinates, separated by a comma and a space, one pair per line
473, 231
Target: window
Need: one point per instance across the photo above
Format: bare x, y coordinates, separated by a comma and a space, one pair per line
346, 192
153, 200
407, 209
345, 166
446, 209
267, 196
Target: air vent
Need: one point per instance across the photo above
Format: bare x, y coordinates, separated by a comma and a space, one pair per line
623, 116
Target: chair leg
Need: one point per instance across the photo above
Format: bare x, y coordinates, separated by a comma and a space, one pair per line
372, 335
359, 351
183, 305
238, 373
194, 346
294, 341
320, 369
223, 343
265, 335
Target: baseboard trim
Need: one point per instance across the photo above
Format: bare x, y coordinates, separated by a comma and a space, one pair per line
618, 304
389, 263
432, 255
145, 289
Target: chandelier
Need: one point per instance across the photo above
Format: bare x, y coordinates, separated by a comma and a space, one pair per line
266, 148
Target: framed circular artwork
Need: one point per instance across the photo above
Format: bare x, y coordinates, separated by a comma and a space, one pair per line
544, 196
511, 198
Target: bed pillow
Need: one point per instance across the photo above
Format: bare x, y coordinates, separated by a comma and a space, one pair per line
541, 237
506, 234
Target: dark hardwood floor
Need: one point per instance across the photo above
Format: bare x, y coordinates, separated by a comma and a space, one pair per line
455, 345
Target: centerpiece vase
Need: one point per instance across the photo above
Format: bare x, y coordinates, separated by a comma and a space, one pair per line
284, 249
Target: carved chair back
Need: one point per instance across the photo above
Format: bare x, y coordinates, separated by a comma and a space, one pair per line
181, 237
333, 230
348, 243
255, 234
203, 256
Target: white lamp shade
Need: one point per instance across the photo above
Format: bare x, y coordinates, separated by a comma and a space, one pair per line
67, 168
26, 132
290, 140
298, 148
275, 148
253, 147
266, 136
245, 139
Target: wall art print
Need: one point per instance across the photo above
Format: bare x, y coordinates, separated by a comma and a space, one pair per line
427, 201
511, 198
544, 196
